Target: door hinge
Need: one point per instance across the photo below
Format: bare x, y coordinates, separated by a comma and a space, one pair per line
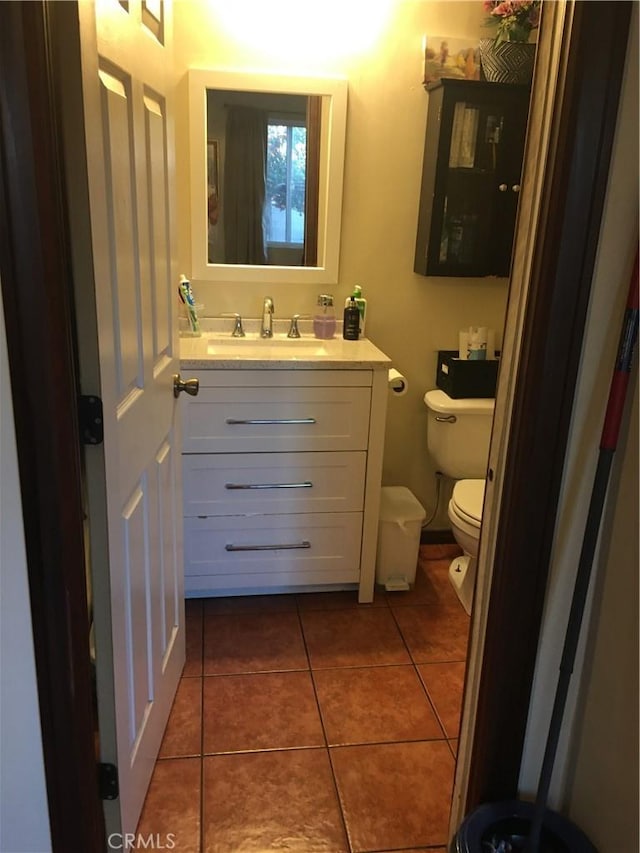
90, 419
108, 781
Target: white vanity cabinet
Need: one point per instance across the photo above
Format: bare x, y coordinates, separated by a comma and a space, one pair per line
281, 479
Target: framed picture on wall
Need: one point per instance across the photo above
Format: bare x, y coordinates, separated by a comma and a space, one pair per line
450, 57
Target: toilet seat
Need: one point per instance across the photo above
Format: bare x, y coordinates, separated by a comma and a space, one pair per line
471, 529
467, 500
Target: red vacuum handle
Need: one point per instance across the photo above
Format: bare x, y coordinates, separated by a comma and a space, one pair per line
620, 380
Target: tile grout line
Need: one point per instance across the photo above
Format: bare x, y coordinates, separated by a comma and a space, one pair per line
426, 689
426, 692
339, 798
430, 701
415, 663
326, 739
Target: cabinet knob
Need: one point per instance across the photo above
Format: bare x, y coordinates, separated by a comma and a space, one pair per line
503, 188
516, 188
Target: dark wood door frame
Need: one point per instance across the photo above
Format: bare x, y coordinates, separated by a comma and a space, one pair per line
37, 296
38, 308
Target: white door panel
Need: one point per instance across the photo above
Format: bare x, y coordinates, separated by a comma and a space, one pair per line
162, 297
139, 607
167, 585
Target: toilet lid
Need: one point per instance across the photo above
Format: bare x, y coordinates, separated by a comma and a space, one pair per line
468, 497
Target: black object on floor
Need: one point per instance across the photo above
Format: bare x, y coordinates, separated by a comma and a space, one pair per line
505, 828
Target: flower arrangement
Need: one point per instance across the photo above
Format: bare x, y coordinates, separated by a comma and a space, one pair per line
515, 18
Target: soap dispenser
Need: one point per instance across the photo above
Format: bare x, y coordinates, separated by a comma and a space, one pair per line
351, 324
324, 320
361, 303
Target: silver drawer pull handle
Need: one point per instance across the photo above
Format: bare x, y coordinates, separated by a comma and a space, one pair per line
290, 547
306, 485
271, 421
446, 419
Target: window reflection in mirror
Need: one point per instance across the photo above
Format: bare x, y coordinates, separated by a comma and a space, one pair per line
261, 209
267, 164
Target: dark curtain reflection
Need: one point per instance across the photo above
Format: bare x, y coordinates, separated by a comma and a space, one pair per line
312, 189
244, 186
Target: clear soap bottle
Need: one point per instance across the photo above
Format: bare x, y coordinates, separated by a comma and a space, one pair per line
324, 320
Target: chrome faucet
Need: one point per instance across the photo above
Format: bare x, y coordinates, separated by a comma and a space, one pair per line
266, 329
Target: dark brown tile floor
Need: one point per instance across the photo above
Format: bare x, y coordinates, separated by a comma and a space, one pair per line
311, 724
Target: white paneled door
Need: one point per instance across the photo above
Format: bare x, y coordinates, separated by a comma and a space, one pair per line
133, 479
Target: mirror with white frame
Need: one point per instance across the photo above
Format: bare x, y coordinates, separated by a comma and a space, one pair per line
283, 225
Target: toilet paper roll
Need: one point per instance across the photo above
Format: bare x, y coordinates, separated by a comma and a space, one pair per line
463, 344
397, 383
477, 343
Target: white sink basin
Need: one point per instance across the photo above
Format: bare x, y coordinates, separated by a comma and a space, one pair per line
215, 347
255, 346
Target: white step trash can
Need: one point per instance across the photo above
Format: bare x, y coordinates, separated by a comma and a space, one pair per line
401, 517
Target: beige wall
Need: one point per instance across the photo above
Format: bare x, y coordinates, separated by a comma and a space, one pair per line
603, 785
409, 317
24, 813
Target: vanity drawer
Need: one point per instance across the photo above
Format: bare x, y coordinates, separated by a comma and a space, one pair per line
281, 378
236, 420
275, 550
234, 484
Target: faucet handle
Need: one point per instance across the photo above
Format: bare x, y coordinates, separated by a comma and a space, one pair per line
238, 331
294, 331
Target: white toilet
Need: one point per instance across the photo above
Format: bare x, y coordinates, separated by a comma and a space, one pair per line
458, 435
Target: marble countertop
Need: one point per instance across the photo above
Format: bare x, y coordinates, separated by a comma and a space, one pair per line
215, 349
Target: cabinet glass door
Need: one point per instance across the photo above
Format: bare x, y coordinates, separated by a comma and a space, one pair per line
479, 194
471, 179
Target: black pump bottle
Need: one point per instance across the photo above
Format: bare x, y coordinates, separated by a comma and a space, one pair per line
351, 324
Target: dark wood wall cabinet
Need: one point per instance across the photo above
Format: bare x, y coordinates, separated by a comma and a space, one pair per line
471, 170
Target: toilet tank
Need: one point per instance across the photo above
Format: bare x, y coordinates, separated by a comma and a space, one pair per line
458, 434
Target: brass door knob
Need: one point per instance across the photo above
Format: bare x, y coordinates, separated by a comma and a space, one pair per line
191, 386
